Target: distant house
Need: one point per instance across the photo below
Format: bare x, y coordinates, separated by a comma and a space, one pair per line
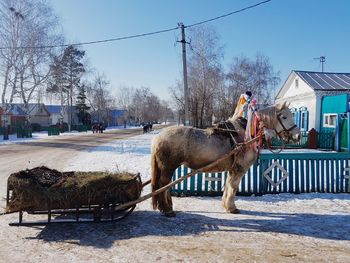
36, 113
117, 117
59, 114
17, 115
305, 91
39, 114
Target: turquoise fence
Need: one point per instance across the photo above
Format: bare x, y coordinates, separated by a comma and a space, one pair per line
303, 142
53, 131
325, 140
276, 173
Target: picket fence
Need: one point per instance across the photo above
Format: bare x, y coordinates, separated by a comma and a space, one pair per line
325, 172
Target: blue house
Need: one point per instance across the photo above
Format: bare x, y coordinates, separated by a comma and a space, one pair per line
305, 90
60, 114
335, 113
117, 117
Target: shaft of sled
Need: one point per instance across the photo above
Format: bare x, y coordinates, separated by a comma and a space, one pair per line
164, 188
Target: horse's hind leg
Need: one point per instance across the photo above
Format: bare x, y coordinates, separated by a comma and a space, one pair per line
165, 203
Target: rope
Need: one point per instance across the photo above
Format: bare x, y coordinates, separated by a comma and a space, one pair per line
232, 137
166, 187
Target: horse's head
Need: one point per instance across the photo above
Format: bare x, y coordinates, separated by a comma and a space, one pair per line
280, 119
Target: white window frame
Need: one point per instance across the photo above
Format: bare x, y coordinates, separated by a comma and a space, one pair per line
327, 118
303, 116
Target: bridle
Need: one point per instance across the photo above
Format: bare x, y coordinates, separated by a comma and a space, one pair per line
284, 129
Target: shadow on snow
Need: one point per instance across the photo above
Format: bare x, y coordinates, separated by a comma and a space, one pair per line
150, 223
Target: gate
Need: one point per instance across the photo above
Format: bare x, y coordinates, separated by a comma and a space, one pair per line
277, 173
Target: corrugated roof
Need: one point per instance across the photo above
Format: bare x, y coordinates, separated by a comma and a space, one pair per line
325, 80
54, 108
15, 109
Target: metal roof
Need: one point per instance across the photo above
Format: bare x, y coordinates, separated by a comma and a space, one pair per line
54, 108
325, 80
15, 109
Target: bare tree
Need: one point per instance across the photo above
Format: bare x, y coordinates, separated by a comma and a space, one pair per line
177, 101
24, 27
124, 101
100, 98
257, 76
204, 74
145, 107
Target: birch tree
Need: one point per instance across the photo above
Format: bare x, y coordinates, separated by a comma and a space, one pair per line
204, 74
28, 29
256, 75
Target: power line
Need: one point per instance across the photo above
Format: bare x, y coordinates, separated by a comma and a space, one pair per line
99, 41
140, 35
228, 14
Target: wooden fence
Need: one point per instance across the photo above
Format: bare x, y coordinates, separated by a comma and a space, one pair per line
277, 173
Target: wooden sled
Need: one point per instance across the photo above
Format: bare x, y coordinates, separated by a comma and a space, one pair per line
97, 201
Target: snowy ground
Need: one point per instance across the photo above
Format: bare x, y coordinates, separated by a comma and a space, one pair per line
44, 135
271, 228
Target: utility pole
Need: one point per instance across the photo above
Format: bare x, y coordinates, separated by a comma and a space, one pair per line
184, 66
322, 60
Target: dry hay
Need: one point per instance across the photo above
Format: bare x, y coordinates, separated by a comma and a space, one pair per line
42, 188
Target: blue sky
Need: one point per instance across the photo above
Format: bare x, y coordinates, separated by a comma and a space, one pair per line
290, 32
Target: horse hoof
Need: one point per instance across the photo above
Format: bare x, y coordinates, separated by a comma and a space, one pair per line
236, 211
169, 214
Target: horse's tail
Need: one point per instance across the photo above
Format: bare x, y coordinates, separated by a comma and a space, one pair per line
155, 180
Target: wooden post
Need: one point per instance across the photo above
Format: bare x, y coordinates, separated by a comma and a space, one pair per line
312, 139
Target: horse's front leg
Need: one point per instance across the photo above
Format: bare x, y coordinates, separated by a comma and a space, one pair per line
231, 187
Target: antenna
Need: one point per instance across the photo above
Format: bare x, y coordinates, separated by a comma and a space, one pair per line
322, 60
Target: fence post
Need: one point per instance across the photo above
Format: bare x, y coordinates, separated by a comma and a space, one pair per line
337, 134
312, 139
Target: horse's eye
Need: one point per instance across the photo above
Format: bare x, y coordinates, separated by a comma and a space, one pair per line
284, 117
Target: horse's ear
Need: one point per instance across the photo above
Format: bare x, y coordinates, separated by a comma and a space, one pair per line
281, 106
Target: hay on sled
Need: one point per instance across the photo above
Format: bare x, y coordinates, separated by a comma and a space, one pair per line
41, 189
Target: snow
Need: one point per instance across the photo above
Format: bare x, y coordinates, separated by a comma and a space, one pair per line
286, 227
133, 155
44, 135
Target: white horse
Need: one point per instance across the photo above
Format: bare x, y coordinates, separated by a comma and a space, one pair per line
196, 148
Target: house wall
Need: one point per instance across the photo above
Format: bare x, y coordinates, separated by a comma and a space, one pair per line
55, 118
334, 104
42, 120
300, 96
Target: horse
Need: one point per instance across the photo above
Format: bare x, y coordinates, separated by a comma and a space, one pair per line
97, 127
196, 148
147, 128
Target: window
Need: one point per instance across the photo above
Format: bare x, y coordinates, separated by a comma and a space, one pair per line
329, 120
295, 115
296, 83
303, 119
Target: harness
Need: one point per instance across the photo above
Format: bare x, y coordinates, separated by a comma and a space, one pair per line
284, 129
257, 129
232, 131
